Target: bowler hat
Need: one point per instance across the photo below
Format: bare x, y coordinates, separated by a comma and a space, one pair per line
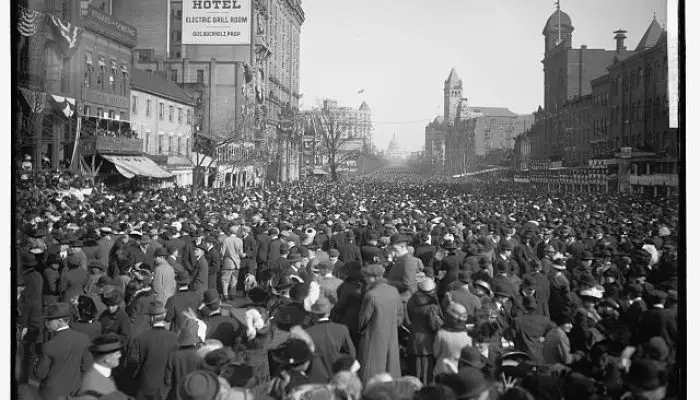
57, 310
586, 256
199, 385
294, 257
464, 276
156, 308
105, 344
211, 297
472, 383
161, 252
499, 290
111, 296
471, 357
183, 278
28, 259
484, 285
373, 270
333, 253
398, 238
530, 303
322, 306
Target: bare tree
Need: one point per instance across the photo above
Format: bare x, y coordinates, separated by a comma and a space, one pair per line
336, 143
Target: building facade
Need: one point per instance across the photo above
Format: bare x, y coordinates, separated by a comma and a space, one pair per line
244, 92
355, 126
73, 61
615, 118
161, 115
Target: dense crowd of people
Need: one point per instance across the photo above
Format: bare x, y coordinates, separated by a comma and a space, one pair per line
382, 287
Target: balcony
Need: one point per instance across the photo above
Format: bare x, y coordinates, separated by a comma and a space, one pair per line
111, 145
654, 180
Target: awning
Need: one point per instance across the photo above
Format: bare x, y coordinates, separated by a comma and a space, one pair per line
88, 58
131, 166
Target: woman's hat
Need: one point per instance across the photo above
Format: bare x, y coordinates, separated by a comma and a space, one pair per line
156, 308
105, 344
484, 285
427, 285
111, 296
199, 385
456, 312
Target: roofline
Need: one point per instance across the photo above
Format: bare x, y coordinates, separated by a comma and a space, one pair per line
165, 96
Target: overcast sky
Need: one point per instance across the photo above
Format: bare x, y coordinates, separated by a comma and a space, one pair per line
400, 52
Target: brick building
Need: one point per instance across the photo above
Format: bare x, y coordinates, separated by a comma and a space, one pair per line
616, 120
66, 76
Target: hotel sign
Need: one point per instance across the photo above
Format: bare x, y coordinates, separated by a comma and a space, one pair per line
98, 22
217, 22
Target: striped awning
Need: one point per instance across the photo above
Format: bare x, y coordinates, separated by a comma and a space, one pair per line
131, 166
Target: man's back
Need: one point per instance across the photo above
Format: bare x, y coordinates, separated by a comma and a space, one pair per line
148, 355
332, 341
164, 282
64, 360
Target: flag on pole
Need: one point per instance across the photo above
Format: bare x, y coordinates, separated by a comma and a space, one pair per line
360, 91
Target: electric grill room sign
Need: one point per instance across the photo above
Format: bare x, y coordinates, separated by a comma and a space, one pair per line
216, 22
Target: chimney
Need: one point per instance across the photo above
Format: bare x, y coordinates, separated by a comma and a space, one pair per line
620, 38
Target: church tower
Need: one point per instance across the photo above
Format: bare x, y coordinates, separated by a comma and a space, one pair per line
452, 95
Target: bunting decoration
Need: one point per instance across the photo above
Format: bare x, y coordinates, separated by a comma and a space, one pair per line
36, 100
27, 21
69, 32
65, 104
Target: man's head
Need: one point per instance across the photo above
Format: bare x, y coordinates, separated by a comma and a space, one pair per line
564, 322
107, 350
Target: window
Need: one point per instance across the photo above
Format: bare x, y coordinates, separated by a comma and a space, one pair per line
86, 111
173, 75
178, 54
170, 144
100, 112
111, 114
134, 104
113, 77
160, 144
161, 111
179, 146
199, 96
148, 107
189, 117
171, 114
101, 78
179, 115
125, 83
200, 76
88, 69
122, 116
148, 141
187, 146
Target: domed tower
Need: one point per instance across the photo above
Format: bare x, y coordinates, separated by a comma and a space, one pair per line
453, 95
558, 29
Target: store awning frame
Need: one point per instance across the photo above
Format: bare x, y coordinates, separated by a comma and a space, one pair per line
133, 166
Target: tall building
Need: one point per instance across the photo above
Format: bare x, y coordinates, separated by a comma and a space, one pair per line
459, 140
73, 63
610, 113
248, 92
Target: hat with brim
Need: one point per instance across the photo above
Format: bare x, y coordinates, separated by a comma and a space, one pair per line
322, 306
211, 297
292, 352
499, 290
473, 383
373, 271
199, 385
105, 345
484, 285
513, 358
470, 356
398, 239
57, 310
294, 257
160, 252
156, 308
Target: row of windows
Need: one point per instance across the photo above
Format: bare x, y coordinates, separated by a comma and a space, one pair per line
633, 80
167, 145
173, 75
100, 113
161, 111
106, 79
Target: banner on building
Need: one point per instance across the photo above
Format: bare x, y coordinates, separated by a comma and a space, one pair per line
216, 22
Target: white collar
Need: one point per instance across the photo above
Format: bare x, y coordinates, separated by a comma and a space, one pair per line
323, 319
104, 371
658, 306
328, 275
63, 328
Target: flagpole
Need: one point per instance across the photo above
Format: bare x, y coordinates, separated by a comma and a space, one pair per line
77, 138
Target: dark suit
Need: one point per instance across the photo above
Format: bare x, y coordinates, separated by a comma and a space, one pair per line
528, 330
180, 362
51, 286
249, 263
94, 381
426, 253
350, 252
186, 257
92, 330
507, 285
370, 253
223, 328
146, 359
332, 341
73, 282
214, 263
462, 296
178, 303
116, 323
138, 256
137, 309
263, 241
273, 250
659, 322
200, 275
64, 360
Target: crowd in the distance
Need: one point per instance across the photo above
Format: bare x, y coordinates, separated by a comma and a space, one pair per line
383, 287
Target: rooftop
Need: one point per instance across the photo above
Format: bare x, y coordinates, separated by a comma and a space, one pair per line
155, 83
